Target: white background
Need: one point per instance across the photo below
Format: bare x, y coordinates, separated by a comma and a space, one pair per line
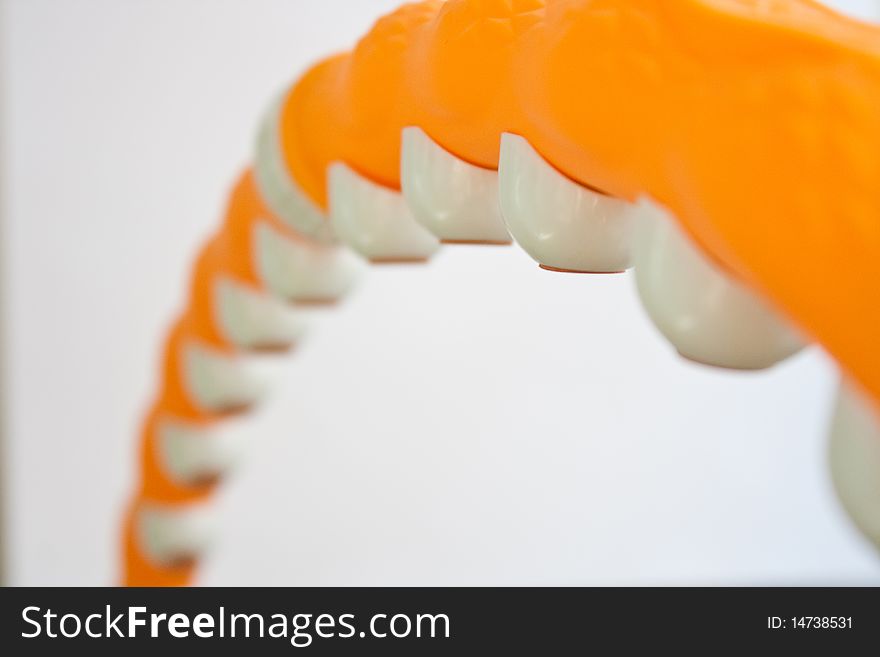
474, 421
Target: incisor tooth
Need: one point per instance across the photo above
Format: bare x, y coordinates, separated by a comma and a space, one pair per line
278, 190
455, 200
708, 317
374, 220
303, 272
194, 455
176, 535
559, 223
220, 382
254, 320
854, 454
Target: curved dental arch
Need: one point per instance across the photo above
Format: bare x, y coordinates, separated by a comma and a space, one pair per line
706, 313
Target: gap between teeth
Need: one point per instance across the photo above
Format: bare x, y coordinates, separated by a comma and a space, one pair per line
278, 189
375, 221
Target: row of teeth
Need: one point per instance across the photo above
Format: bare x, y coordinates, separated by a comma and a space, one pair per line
295, 274
706, 315
564, 226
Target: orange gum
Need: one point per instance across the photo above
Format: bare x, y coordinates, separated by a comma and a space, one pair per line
755, 123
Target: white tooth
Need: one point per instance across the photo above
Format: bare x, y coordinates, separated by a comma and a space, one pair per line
227, 382
254, 320
172, 535
374, 220
855, 459
195, 454
303, 272
561, 224
454, 199
278, 189
708, 317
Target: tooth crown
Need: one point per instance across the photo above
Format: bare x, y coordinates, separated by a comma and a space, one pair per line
709, 317
174, 536
194, 455
254, 320
559, 223
855, 458
297, 272
455, 200
220, 383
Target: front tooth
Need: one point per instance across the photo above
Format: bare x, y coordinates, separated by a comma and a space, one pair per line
562, 225
278, 189
221, 383
172, 536
195, 455
374, 220
455, 200
855, 459
255, 320
303, 272
707, 316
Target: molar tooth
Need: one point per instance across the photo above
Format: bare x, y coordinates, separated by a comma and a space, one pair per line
278, 189
221, 382
709, 317
562, 225
455, 200
374, 220
303, 272
176, 535
255, 320
854, 455
194, 455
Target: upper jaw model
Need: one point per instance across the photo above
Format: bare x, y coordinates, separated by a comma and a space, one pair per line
727, 151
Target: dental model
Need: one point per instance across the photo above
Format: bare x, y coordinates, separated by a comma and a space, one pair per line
729, 150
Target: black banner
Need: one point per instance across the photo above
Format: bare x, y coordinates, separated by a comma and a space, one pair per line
435, 621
